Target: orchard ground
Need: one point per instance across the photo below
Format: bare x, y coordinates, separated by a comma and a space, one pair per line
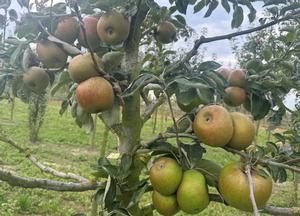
66, 147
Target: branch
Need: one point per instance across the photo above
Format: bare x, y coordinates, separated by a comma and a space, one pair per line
203, 39
234, 151
292, 211
150, 109
250, 181
266, 162
35, 161
47, 184
272, 210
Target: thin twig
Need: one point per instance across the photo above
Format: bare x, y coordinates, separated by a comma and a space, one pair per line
292, 161
178, 142
265, 162
251, 189
150, 108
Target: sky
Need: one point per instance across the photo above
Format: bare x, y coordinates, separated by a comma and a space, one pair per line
218, 23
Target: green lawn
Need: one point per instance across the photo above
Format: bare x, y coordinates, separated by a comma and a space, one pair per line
66, 147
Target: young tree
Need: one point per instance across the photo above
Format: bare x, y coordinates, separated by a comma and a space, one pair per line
112, 78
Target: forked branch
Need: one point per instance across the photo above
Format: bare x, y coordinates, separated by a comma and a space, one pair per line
47, 184
150, 109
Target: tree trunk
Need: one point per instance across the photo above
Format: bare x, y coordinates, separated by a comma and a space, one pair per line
95, 211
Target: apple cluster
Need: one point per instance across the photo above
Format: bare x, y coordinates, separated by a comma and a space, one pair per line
94, 93
235, 93
175, 189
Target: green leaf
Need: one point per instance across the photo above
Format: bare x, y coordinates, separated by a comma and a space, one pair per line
161, 147
255, 64
183, 124
274, 2
182, 5
212, 6
137, 84
193, 153
125, 164
152, 4
28, 27
292, 6
105, 168
199, 6
238, 17
72, 50
279, 137
217, 78
109, 193
15, 57
278, 174
267, 53
180, 19
258, 106
63, 107
63, 79
252, 15
225, 5
191, 97
208, 65
277, 117
260, 152
136, 197
274, 11
111, 117
121, 212
112, 60
273, 148
210, 170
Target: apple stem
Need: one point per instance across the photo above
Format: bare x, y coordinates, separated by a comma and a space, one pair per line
248, 172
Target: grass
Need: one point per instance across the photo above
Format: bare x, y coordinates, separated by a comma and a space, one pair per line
66, 147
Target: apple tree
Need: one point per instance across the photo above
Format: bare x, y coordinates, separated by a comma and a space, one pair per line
111, 56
